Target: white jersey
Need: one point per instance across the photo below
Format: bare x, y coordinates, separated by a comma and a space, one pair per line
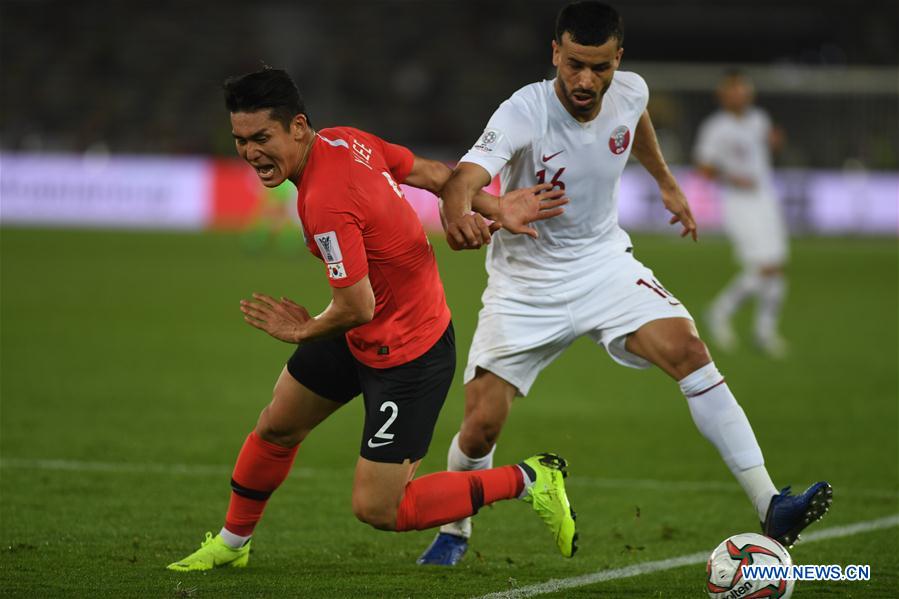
530, 139
737, 145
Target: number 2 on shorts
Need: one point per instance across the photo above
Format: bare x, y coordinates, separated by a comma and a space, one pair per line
395, 410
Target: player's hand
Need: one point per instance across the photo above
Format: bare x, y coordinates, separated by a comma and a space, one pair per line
676, 203
519, 208
282, 319
466, 232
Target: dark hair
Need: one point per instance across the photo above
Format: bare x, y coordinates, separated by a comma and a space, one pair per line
269, 88
590, 23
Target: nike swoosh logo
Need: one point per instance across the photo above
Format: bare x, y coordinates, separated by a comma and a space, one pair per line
674, 303
551, 156
373, 445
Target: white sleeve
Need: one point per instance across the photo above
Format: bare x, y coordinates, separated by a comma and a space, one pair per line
508, 131
643, 89
708, 145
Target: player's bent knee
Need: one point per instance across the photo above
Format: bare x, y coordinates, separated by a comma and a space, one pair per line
682, 354
476, 439
380, 516
486, 409
268, 429
695, 354
282, 438
480, 430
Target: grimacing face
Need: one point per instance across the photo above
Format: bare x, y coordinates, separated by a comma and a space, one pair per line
584, 74
275, 153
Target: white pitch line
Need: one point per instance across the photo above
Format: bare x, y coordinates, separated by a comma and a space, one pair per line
559, 584
668, 486
113, 467
145, 468
703, 486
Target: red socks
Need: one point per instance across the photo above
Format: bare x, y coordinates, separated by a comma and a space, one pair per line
260, 469
445, 497
428, 501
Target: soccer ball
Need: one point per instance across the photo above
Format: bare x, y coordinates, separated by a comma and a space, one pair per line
725, 578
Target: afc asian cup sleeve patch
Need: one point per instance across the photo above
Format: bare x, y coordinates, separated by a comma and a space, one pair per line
330, 249
336, 271
488, 140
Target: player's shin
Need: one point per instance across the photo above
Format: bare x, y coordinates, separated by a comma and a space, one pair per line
770, 302
722, 421
260, 469
457, 461
445, 497
742, 287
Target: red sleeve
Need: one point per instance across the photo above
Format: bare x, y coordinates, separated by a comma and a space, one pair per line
337, 232
399, 159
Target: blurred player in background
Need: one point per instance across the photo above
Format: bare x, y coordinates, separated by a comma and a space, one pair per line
580, 277
734, 148
386, 334
273, 222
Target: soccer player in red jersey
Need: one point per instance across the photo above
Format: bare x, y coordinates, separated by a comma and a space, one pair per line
386, 334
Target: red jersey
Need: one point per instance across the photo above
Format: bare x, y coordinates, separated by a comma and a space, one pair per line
358, 223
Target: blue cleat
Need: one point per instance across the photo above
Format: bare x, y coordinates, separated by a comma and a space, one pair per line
446, 550
788, 515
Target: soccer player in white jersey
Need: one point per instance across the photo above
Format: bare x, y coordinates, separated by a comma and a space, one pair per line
734, 148
579, 277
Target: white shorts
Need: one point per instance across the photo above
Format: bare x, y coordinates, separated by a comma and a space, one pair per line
755, 225
520, 333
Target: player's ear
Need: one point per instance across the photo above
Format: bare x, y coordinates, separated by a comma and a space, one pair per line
298, 126
556, 50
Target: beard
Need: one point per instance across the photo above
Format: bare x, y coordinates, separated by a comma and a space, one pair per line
594, 97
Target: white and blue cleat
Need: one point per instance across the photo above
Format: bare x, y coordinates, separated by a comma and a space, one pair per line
446, 550
788, 515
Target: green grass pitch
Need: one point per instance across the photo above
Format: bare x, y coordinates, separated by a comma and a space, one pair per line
129, 382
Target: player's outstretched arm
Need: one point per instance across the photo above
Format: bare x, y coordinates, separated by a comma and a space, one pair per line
288, 321
433, 176
514, 212
428, 174
647, 151
461, 192
521, 207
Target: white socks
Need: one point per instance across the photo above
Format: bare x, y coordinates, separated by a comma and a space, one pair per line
741, 288
770, 290
456, 461
758, 487
771, 296
232, 540
722, 421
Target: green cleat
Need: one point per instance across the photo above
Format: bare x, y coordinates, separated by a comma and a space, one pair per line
548, 498
213, 553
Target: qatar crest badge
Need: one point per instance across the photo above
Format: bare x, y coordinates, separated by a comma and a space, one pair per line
620, 139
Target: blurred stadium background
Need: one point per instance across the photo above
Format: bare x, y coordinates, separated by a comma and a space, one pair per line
128, 381
86, 84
